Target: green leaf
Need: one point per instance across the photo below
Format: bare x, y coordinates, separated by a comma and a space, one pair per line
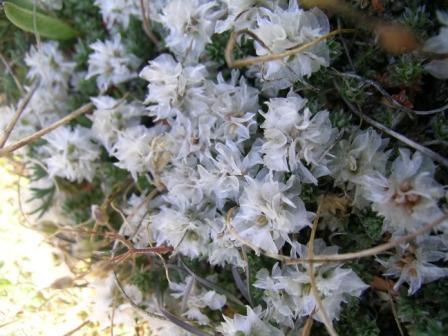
27, 4
46, 26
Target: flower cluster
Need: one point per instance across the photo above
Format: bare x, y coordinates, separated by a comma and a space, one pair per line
232, 156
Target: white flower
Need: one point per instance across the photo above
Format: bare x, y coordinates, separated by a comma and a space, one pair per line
190, 23
224, 248
241, 14
269, 211
112, 116
293, 135
191, 135
413, 263
250, 324
173, 88
280, 30
439, 45
236, 107
182, 183
197, 299
408, 198
184, 229
72, 154
361, 154
23, 127
137, 223
222, 177
358, 156
49, 65
288, 290
111, 63
133, 148
118, 12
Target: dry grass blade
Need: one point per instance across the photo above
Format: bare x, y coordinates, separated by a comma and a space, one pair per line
322, 312
182, 324
370, 251
30, 139
270, 57
11, 73
19, 111
426, 151
306, 331
147, 25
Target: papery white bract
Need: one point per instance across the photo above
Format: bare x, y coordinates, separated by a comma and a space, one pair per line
184, 229
174, 88
269, 211
133, 148
112, 116
413, 263
190, 23
110, 63
118, 12
409, 197
294, 138
49, 65
363, 154
197, 299
250, 324
439, 45
280, 30
288, 290
71, 153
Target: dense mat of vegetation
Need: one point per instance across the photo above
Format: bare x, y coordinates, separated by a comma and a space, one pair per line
209, 150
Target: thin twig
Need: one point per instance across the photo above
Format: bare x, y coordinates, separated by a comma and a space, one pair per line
344, 44
322, 312
306, 331
335, 257
381, 90
23, 104
11, 73
370, 251
147, 25
73, 331
33, 137
395, 313
270, 57
425, 150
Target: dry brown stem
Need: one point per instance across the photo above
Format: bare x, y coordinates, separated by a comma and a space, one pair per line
239, 63
322, 312
425, 150
147, 25
23, 104
33, 137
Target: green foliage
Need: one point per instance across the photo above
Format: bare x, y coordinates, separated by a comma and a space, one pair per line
356, 321
79, 198
426, 313
87, 19
406, 72
417, 18
45, 196
440, 127
353, 90
136, 40
42, 24
340, 119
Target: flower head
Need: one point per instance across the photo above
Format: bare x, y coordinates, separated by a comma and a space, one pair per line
110, 63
